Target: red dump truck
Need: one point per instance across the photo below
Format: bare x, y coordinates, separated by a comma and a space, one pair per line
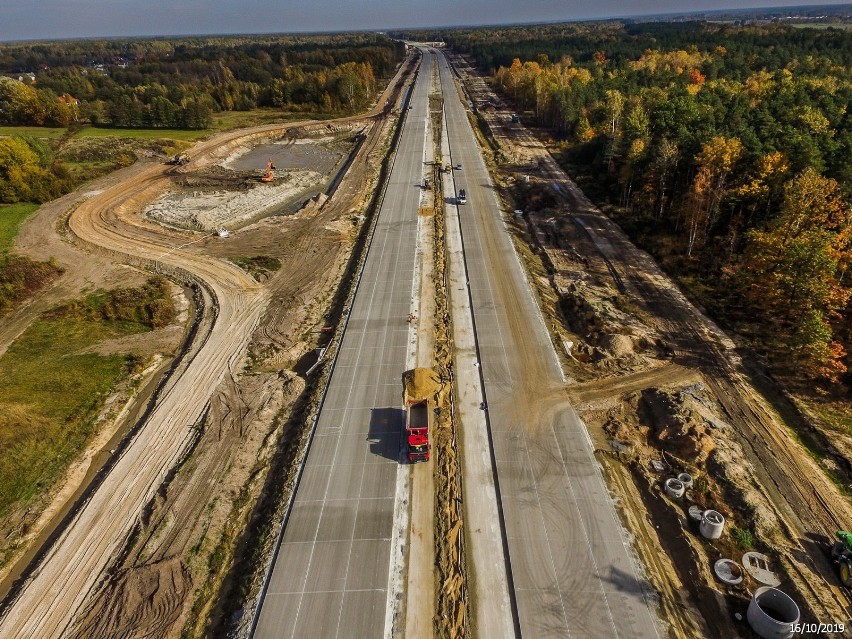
417, 429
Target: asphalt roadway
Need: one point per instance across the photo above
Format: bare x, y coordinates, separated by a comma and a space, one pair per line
572, 571
331, 572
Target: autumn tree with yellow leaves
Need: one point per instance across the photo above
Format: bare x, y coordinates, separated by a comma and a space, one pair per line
795, 267
720, 149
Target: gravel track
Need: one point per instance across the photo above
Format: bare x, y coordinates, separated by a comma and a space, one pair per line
76, 561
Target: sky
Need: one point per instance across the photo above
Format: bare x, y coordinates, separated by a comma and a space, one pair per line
46, 19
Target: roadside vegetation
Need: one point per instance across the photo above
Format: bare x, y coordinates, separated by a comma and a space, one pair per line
20, 277
258, 266
724, 150
54, 387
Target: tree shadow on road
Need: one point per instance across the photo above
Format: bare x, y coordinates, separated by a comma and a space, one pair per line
628, 583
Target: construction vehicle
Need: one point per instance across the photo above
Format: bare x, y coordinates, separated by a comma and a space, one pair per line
268, 177
417, 430
515, 118
841, 554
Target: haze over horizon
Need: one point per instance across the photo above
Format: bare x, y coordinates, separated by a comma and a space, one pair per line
59, 19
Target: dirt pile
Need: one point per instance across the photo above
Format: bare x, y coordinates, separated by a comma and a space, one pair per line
606, 332
21, 278
451, 600
617, 344
608, 338
421, 383
676, 426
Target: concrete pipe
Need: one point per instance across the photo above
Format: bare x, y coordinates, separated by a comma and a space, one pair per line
712, 524
686, 479
772, 614
675, 488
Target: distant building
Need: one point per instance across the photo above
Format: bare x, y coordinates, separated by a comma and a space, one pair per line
71, 101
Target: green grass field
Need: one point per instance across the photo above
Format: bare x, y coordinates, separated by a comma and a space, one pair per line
35, 131
11, 216
143, 134
224, 121
95, 132
49, 400
228, 120
52, 393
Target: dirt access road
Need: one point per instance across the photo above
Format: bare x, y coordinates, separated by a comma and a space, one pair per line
154, 590
800, 502
107, 224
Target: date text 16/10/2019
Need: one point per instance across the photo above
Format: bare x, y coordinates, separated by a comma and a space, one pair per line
818, 628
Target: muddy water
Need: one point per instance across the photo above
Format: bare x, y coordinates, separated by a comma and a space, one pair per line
287, 155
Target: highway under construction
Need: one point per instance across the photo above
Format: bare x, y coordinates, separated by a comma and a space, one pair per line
412, 454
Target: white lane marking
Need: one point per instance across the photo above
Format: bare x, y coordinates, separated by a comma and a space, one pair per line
616, 524
403, 490
382, 255
490, 290
580, 518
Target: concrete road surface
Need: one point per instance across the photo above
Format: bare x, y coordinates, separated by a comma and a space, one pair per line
572, 571
332, 570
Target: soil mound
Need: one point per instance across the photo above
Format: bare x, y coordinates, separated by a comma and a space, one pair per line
421, 383
145, 602
617, 345
676, 426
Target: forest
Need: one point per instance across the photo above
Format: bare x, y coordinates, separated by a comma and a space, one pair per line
725, 150
178, 83
171, 84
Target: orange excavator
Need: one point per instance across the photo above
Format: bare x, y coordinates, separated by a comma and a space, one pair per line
268, 177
